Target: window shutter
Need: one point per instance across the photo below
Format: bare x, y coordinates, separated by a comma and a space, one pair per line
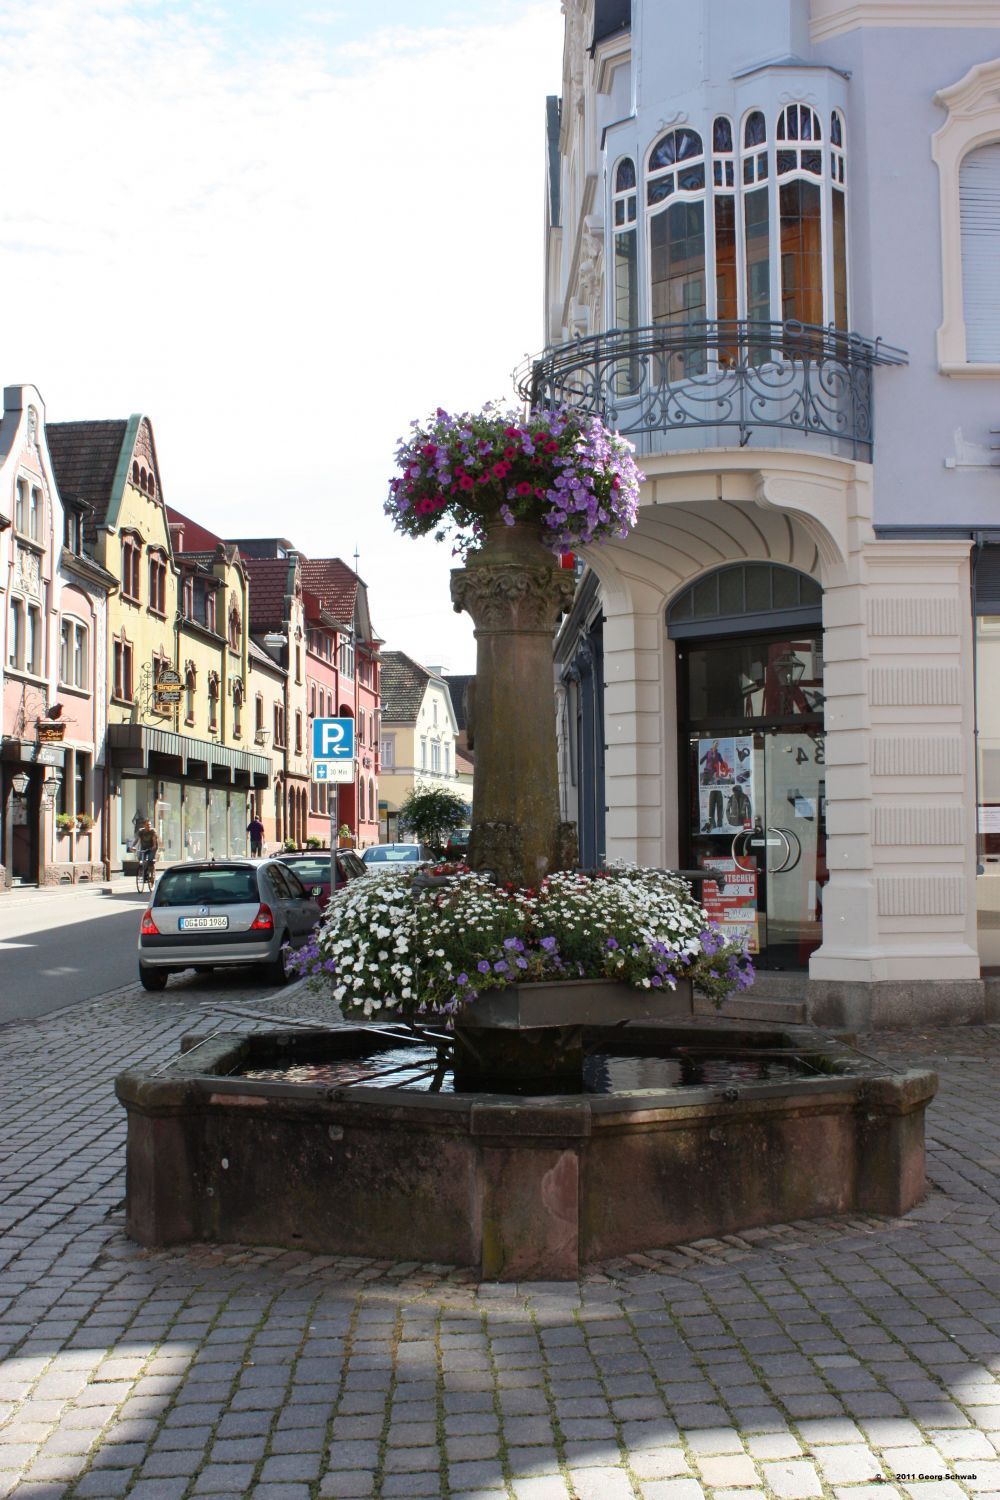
987, 560
979, 203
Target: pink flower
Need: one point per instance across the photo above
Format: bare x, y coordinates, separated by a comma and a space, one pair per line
524, 488
501, 470
466, 482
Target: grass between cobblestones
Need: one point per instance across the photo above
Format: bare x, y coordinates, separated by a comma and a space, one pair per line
846, 1359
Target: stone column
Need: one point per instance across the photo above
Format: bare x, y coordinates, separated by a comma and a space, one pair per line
515, 592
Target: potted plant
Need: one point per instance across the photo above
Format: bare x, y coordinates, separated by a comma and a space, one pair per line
556, 469
84, 822
289, 846
65, 822
345, 838
312, 842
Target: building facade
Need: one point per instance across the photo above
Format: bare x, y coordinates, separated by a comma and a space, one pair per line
53, 609
345, 665
419, 741
748, 261
176, 744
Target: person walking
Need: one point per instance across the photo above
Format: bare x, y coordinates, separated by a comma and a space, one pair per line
255, 829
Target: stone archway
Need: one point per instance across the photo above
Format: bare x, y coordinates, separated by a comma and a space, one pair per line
899, 909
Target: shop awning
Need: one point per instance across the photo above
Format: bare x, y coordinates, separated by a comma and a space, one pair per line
133, 744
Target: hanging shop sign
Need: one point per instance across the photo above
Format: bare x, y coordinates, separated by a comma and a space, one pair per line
167, 689
50, 731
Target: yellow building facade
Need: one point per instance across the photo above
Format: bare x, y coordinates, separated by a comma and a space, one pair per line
181, 737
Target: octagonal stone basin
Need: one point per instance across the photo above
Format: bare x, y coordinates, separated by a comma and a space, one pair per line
518, 1187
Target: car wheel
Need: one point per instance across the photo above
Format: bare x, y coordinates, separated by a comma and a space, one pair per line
275, 971
153, 979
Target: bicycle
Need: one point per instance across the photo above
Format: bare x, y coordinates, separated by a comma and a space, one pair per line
145, 873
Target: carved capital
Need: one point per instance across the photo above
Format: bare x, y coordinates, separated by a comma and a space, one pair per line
512, 596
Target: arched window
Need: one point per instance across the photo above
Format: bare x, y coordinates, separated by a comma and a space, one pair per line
724, 195
237, 709
675, 195
626, 291
756, 219
190, 685
372, 806
135, 473
799, 168
979, 217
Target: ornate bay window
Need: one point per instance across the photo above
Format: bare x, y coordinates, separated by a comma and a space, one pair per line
712, 258
733, 313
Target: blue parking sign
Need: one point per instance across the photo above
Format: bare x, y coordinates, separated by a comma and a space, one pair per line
333, 739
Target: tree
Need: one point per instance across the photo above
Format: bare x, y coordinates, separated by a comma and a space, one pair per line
430, 813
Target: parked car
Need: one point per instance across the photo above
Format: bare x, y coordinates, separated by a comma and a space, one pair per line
313, 870
376, 856
223, 912
457, 846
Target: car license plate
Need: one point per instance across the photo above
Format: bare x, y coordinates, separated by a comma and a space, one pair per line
195, 924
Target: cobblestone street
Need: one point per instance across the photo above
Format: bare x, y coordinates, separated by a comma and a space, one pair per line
843, 1358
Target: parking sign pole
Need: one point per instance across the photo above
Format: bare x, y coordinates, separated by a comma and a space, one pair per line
332, 754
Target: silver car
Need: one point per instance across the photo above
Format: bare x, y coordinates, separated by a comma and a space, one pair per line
224, 912
378, 855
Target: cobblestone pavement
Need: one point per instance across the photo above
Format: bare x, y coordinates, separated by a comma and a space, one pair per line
843, 1358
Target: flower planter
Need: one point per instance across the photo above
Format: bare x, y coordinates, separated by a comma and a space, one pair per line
530, 1036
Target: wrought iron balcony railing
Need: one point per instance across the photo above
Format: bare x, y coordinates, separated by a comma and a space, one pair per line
663, 386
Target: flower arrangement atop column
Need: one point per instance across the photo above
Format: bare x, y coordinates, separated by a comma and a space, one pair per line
556, 467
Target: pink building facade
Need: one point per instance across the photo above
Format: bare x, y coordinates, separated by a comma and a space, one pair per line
53, 688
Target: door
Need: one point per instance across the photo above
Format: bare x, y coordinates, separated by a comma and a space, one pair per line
755, 791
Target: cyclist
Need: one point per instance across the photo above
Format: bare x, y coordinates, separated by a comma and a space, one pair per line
149, 844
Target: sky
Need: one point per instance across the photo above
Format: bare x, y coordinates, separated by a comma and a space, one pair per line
283, 230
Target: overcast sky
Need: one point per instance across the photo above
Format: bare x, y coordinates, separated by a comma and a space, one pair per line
282, 229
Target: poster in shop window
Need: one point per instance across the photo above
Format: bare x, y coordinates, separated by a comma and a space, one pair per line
725, 784
734, 908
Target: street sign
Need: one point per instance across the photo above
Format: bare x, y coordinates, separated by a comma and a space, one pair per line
333, 770
333, 739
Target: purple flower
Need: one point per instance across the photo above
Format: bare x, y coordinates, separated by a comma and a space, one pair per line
612, 943
462, 979
500, 967
549, 944
483, 966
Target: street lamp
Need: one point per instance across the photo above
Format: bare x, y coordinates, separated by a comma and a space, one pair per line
20, 783
52, 783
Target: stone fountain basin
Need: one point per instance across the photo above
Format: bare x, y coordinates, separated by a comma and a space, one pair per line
520, 1188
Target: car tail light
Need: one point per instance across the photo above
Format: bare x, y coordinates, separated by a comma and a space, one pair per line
263, 921
148, 927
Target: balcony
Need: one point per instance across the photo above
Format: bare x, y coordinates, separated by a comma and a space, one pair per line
718, 384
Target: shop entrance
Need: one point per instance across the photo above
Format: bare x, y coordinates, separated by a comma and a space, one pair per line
753, 772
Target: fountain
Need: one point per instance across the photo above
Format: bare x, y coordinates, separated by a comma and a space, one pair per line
556, 1122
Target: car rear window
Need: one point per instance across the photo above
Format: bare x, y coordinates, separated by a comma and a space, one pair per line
207, 888
309, 870
382, 854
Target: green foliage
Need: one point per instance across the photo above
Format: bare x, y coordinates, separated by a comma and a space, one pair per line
65, 822
289, 846
429, 814
312, 842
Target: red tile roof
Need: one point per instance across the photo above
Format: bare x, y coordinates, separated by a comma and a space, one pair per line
268, 587
197, 538
334, 584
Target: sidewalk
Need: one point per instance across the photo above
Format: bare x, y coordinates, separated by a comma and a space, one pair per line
21, 895
836, 1358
